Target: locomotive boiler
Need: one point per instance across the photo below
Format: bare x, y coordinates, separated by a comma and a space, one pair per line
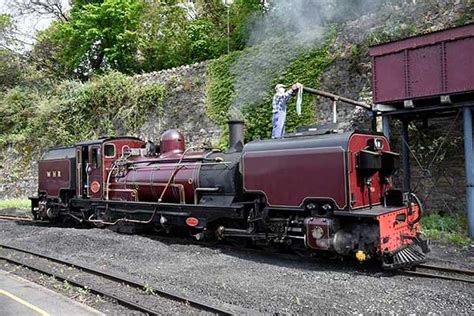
325, 193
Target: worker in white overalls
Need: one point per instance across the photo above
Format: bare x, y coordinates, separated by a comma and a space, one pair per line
280, 99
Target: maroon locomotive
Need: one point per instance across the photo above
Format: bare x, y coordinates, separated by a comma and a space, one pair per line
327, 193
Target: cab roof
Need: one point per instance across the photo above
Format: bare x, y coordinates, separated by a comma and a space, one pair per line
104, 139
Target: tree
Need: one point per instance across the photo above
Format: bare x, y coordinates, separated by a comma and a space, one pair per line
10, 61
100, 36
7, 31
136, 35
164, 38
10, 69
45, 54
54, 8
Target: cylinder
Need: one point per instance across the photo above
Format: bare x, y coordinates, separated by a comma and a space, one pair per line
236, 135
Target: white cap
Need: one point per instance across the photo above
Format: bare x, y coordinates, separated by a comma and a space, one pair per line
278, 86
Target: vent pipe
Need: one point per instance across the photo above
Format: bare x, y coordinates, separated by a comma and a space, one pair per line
236, 135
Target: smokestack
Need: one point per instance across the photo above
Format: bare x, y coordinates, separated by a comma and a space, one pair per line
236, 135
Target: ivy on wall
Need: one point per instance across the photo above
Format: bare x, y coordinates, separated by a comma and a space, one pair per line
112, 104
222, 101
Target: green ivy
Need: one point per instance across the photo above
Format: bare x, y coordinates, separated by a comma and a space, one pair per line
221, 97
112, 104
220, 87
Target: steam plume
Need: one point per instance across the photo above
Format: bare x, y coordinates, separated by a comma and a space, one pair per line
287, 29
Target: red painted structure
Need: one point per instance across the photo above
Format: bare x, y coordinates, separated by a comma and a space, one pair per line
55, 176
430, 65
56, 172
304, 169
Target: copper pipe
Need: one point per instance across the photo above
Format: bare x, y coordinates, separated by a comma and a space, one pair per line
183, 164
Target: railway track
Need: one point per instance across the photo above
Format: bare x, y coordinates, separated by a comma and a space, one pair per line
441, 272
7, 217
421, 270
120, 280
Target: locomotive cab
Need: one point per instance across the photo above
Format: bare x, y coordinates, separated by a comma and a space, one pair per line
95, 158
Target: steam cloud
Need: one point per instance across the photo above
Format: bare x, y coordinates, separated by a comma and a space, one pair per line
286, 31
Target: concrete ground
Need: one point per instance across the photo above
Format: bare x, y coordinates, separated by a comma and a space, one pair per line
21, 297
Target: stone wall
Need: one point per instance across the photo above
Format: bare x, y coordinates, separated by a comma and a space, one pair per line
18, 179
184, 107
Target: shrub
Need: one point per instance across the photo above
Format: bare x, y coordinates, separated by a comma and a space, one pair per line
451, 228
111, 104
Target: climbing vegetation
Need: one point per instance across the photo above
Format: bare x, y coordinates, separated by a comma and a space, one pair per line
112, 104
235, 88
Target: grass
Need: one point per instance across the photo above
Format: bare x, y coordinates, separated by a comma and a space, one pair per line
451, 228
15, 203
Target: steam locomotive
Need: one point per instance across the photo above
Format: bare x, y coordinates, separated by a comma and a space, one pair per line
326, 193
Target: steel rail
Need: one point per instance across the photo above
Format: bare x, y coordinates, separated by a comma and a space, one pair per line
446, 269
92, 289
460, 273
124, 279
8, 217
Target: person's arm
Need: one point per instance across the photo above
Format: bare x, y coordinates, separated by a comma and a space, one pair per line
292, 91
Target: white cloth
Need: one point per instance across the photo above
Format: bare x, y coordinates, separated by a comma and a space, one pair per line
299, 100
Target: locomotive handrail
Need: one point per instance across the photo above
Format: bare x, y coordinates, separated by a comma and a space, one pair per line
184, 164
161, 160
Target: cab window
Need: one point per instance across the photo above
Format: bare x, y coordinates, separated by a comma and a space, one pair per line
109, 150
94, 157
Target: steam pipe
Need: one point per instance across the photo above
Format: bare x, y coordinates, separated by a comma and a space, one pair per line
335, 97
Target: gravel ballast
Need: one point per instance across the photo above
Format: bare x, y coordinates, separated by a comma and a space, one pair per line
247, 281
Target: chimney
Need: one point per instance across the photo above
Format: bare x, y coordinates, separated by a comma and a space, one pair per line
236, 135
